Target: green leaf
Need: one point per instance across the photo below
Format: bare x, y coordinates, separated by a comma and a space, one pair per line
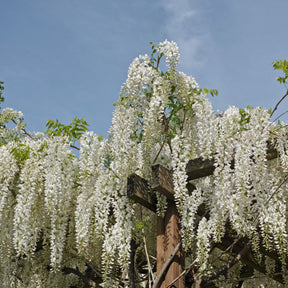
212, 92
283, 66
73, 131
21, 153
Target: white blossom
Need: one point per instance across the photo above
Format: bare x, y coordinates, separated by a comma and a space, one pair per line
171, 52
59, 181
8, 169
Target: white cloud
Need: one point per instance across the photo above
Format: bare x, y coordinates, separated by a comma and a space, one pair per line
185, 24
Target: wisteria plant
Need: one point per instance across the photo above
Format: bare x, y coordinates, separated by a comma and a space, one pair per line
66, 220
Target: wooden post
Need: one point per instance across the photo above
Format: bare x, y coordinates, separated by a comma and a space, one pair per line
170, 225
160, 248
168, 229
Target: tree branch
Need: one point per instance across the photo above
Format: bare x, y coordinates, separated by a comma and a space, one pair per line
147, 257
84, 278
276, 106
23, 130
90, 277
224, 269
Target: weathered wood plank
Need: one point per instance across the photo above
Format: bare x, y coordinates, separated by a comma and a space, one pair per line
272, 153
162, 178
138, 190
162, 181
199, 167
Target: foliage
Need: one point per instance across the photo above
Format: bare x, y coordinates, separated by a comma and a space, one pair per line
283, 66
73, 131
71, 221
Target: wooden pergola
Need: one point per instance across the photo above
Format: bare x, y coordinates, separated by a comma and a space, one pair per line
170, 267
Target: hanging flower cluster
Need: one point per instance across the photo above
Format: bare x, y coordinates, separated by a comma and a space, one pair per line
67, 211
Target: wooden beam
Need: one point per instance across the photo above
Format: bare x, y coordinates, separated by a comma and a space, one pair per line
272, 153
199, 167
162, 181
162, 178
138, 190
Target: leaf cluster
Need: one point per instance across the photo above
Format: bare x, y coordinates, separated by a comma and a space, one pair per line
245, 116
283, 66
73, 131
21, 152
155, 57
212, 92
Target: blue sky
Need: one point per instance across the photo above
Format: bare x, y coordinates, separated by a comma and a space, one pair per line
67, 58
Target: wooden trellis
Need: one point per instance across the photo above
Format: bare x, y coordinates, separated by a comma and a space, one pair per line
170, 257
